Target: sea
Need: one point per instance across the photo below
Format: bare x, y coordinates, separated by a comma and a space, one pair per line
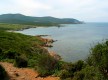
74, 41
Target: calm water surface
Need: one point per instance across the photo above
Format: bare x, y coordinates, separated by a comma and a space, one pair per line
74, 40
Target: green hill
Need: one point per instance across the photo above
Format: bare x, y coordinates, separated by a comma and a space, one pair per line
22, 19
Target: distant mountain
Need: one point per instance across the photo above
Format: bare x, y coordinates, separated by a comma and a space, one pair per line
22, 19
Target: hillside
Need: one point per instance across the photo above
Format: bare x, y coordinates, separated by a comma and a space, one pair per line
22, 19
26, 51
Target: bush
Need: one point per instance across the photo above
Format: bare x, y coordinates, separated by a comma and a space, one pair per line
65, 65
20, 62
67, 70
10, 54
99, 57
88, 73
68, 79
63, 74
0, 50
73, 67
0, 54
46, 64
3, 74
78, 76
79, 65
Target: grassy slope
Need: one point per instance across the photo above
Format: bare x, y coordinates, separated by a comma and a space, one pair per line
4, 26
20, 43
10, 40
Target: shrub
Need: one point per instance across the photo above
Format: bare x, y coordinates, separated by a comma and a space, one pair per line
0, 54
11, 54
68, 79
3, 74
73, 67
46, 64
67, 70
99, 57
88, 73
65, 65
63, 74
0, 50
21, 62
79, 65
78, 76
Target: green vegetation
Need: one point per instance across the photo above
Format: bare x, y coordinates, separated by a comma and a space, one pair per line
67, 70
5, 26
21, 62
27, 51
38, 21
46, 64
99, 58
3, 74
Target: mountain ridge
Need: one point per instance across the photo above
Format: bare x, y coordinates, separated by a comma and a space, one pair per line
22, 19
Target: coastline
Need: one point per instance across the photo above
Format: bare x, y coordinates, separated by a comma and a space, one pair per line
48, 43
35, 38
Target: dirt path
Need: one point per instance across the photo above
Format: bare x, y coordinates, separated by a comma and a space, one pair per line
23, 73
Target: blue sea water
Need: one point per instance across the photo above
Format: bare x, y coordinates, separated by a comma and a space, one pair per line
74, 40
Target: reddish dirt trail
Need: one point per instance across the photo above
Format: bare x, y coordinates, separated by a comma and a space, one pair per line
23, 73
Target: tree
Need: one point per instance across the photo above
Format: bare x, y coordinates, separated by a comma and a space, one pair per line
99, 57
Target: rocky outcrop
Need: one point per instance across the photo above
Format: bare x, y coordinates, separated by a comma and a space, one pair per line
47, 41
56, 56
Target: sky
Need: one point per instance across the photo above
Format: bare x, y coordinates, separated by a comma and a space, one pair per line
84, 10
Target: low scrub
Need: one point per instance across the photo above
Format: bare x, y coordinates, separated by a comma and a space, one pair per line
46, 64
3, 74
21, 62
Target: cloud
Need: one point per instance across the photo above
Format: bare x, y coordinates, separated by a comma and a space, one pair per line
27, 7
32, 4
31, 7
87, 10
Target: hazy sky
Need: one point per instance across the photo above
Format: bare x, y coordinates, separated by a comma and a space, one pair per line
85, 10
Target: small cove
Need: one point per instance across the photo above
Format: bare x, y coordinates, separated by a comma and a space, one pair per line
73, 40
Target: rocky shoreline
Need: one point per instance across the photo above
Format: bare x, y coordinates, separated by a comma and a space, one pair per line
48, 43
